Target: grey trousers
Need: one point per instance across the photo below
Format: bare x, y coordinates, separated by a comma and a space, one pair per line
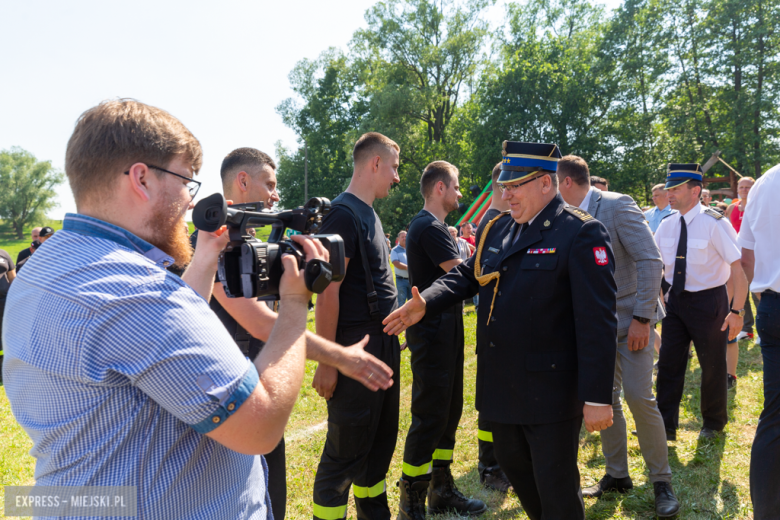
634, 373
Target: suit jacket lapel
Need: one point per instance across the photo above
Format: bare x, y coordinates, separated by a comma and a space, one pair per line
595, 204
506, 244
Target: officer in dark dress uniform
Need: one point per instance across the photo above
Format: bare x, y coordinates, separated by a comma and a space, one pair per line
547, 330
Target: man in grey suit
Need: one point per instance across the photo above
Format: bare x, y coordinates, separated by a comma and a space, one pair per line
638, 267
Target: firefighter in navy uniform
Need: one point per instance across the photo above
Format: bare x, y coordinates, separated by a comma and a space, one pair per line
436, 347
546, 333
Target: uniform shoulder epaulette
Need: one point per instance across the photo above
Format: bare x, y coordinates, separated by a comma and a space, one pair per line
579, 213
714, 214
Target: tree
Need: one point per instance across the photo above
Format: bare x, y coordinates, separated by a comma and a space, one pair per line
554, 84
28, 188
404, 76
326, 121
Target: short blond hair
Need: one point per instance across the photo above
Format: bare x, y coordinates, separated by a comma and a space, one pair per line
112, 136
369, 144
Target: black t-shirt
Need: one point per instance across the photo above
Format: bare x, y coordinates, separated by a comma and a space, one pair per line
353, 303
6, 264
489, 215
24, 253
250, 345
428, 244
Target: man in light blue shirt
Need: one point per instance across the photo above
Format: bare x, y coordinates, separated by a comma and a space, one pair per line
398, 258
661, 210
117, 369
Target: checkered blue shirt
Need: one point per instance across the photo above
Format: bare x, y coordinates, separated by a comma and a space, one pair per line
116, 369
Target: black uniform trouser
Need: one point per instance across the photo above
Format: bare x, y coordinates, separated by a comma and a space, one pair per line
277, 480
436, 347
540, 461
765, 455
696, 316
487, 455
362, 432
2, 311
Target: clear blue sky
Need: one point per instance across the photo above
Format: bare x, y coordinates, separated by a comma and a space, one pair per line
220, 67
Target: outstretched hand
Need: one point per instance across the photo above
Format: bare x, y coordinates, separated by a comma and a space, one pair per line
365, 368
403, 318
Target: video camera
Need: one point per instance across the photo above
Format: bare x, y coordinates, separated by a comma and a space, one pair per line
251, 268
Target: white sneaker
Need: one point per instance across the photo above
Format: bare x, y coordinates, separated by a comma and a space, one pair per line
757, 341
742, 335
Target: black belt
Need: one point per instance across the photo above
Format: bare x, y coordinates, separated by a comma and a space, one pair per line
404, 277
770, 293
705, 291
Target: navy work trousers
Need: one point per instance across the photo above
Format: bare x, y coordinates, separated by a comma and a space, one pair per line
765, 456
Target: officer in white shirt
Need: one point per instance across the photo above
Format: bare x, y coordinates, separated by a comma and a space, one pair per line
700, 253
760, 241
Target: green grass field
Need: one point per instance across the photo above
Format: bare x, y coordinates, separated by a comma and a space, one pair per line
710, 478
12, 245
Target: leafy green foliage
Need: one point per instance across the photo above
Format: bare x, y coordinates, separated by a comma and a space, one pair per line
27, 188
653, 82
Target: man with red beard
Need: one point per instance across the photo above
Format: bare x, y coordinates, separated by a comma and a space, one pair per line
131, 380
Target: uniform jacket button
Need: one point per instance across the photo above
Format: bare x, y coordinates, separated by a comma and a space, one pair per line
491, 344
504, 268
492, 318
553, 365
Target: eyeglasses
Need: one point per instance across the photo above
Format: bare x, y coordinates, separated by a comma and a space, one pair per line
192, 185
512, 187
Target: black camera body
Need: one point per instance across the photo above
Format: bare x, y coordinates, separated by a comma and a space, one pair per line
251, 268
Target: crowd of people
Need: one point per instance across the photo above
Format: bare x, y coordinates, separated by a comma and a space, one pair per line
147, 374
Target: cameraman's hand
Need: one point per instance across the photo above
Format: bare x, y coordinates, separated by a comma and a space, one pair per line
203, 266
403, 318
365, 368
292, 284
325, 379
210, 245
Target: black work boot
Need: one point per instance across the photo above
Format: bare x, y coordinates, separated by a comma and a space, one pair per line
666, 503
444, 497
412, 506
608, 483
494, 478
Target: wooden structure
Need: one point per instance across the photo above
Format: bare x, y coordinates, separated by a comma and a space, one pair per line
732, 179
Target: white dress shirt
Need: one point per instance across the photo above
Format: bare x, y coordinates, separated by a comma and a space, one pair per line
712, 248
586, 201
760, 230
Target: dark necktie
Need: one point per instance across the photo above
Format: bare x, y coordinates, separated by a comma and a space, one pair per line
520, 232
678, 281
